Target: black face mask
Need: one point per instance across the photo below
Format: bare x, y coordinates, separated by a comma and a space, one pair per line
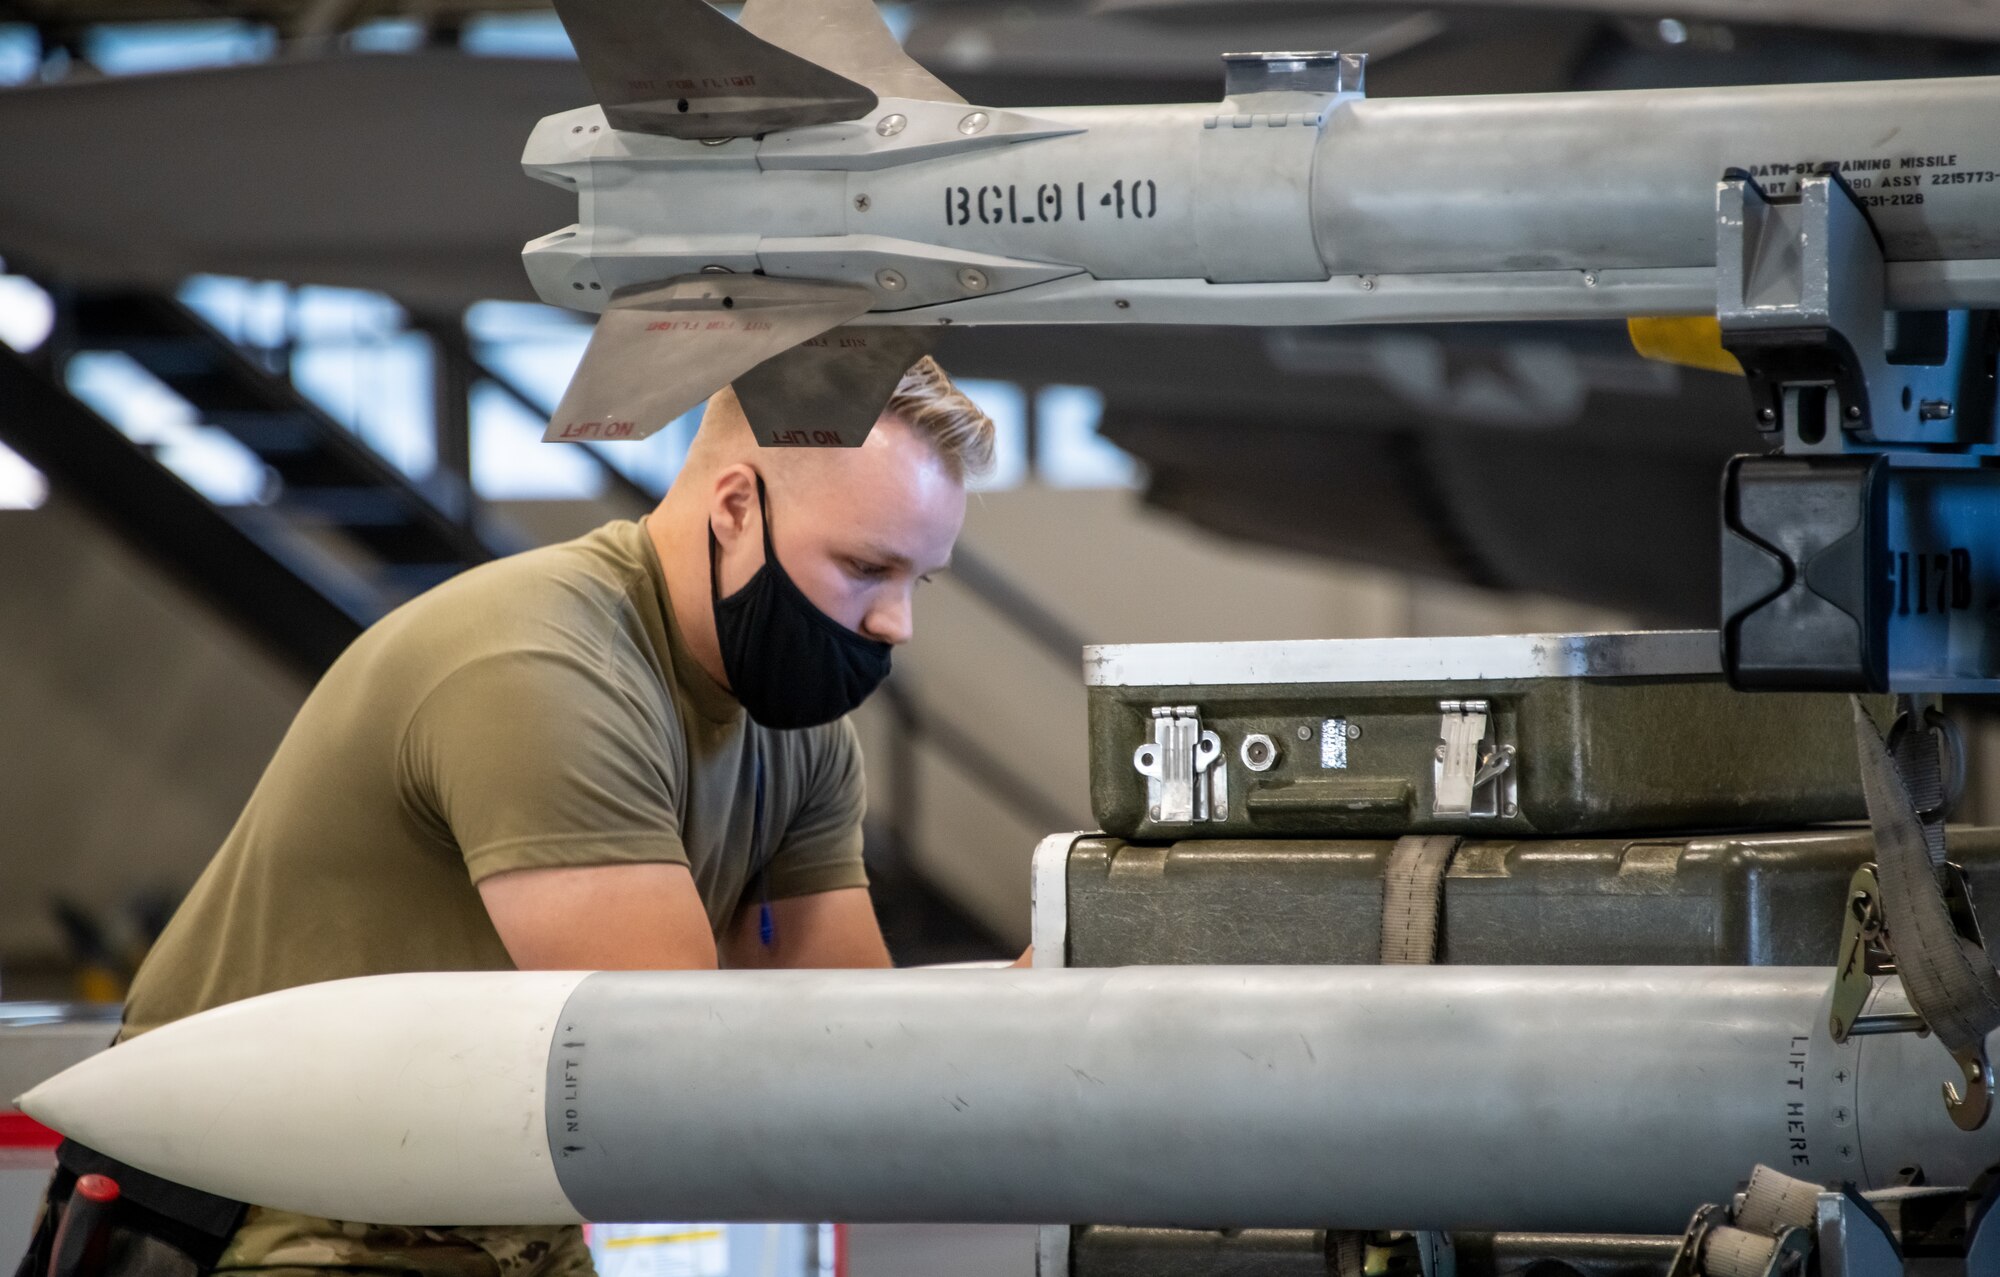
790, 664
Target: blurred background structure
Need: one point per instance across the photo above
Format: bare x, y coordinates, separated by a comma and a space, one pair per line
268, 366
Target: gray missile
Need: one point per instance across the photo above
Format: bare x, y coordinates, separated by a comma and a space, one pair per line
1564, 1099
794, 206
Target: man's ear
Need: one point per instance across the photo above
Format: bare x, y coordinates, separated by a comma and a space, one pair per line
733, 504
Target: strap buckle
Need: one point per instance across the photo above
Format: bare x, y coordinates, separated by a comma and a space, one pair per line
1916, 899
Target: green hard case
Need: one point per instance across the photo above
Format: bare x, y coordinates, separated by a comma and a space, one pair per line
1598, 733
1772, 899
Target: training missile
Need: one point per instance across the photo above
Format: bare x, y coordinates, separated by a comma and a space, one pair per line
795, 206
1567, 1099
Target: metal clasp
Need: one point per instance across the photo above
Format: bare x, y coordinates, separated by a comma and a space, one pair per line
1186, 779
1864, 954
1473, 774
1868, 950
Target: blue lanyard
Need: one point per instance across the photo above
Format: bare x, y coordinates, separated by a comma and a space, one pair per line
767, 927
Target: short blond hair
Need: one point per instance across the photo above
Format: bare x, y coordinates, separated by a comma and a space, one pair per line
944, 417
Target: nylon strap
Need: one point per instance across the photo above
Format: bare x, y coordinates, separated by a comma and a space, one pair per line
1775, 1202
1914, 753
1773, 1205
1412, 905
1413, 898
1736, 1252
1951, 981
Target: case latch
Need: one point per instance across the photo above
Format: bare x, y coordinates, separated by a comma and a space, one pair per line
1474, 774
1186, 780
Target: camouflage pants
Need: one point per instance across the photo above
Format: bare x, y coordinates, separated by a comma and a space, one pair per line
280, 1244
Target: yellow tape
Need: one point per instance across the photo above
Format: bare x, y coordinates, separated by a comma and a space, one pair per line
659, 1239
1694, 341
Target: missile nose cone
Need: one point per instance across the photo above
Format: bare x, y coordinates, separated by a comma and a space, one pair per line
49, 1103
421, 1099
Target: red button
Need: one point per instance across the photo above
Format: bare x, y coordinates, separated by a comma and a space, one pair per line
101, 1189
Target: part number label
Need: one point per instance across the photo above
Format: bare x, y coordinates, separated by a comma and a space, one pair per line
1016, 204
1926, 583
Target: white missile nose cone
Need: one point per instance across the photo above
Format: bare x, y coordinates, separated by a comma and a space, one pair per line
65, 1102
421, 1099
48, 1102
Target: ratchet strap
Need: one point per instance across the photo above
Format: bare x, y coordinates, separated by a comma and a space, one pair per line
1945, 969
1412, 908
1747, 1245
1413, 898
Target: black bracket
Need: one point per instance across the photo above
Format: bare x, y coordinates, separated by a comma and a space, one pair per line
1804, 604
1865, 557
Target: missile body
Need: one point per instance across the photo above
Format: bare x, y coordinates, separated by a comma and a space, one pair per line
1480, 1098
792, 207
1277, 206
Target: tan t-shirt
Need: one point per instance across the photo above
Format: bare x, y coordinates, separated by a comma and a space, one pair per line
538, 711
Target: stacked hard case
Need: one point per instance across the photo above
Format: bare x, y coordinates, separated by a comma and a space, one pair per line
1580, 798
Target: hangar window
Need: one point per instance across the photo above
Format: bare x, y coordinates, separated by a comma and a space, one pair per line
386, 35
351, 352
133, 48
20, 53
1061, 424
1069, 452
1007, 404
256, 314
379, 388
516, 35
146, 412
536, 349
511, 463
27, 313
26, 316
22, 487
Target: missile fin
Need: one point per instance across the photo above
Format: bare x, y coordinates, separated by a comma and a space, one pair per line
683, 69
661, 349
828, 392
849, 37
